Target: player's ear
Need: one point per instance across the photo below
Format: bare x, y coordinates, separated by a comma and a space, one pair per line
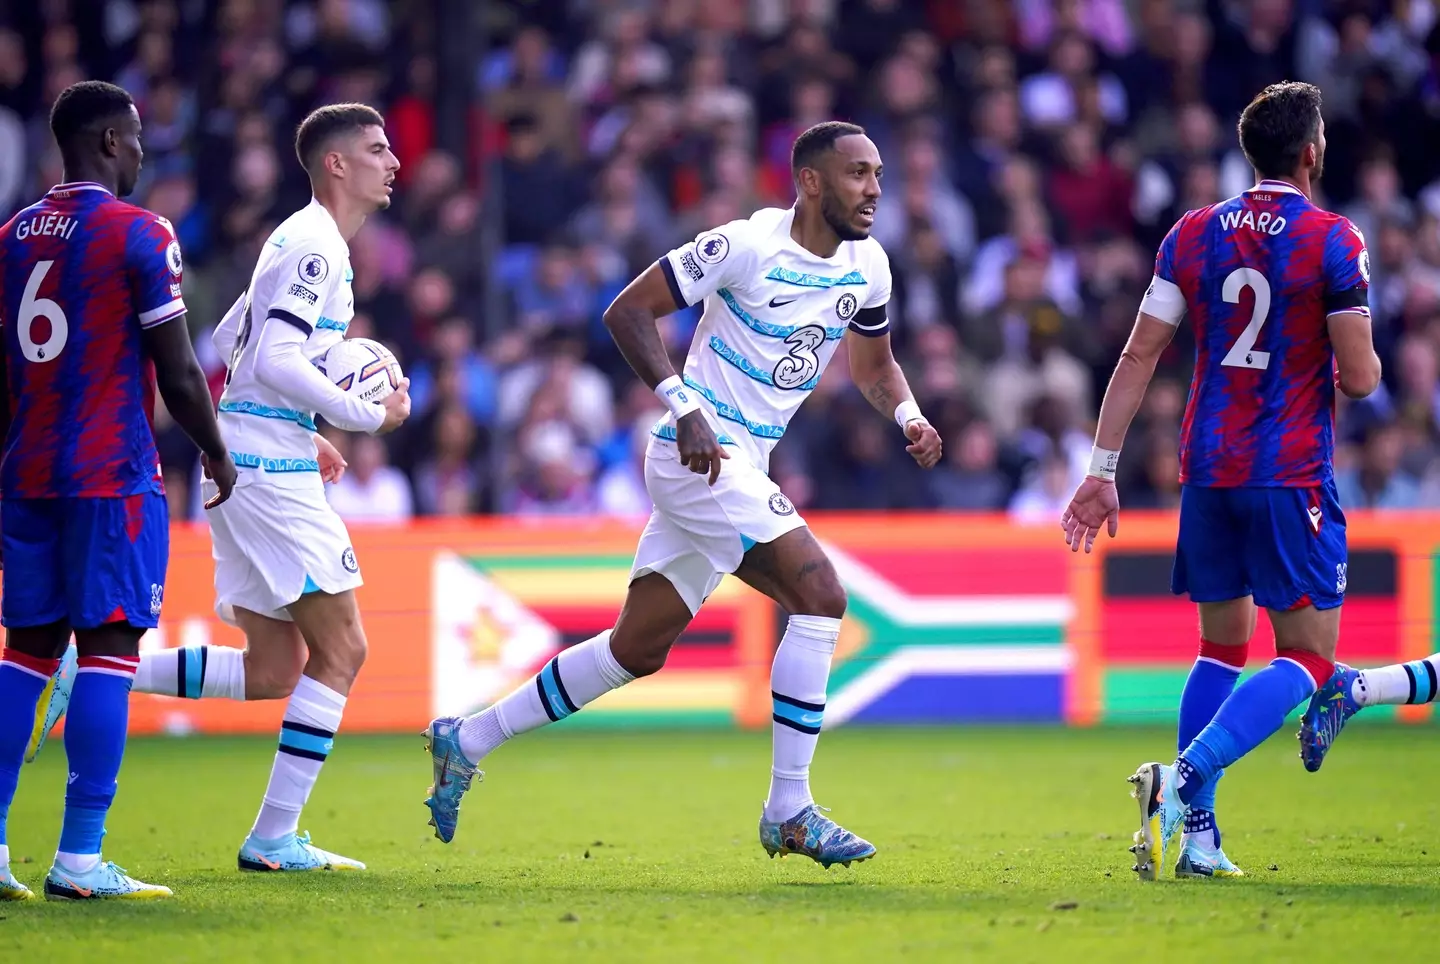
809, 181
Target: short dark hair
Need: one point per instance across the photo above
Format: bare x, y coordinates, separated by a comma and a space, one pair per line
83, 106
324, 123
817, 140
1276, 126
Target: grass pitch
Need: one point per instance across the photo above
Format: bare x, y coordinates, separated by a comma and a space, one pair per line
995, 844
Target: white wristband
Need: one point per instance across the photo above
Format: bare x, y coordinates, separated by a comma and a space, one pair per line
906, 412
1103, 463
679, 399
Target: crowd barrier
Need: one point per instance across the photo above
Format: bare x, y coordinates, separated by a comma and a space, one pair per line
952, 619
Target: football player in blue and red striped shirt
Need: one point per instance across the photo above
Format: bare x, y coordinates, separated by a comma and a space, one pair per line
93, 323
1276, 289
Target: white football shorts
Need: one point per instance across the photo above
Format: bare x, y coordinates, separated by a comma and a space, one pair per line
273, 545
699, 532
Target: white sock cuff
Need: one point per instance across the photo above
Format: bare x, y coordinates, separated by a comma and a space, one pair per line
820, 632
315, 704
611, 672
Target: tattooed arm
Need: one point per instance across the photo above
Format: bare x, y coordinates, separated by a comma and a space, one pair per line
877, 374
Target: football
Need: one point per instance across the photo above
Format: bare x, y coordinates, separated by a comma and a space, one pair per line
362, 367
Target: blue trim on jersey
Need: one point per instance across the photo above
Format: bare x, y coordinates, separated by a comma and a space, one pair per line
306, 422
814, 280
718, 346
767, 328
247, 461
330, 324
349, 274
667, 432
730, 413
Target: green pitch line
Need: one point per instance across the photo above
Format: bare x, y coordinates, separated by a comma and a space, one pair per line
995, 845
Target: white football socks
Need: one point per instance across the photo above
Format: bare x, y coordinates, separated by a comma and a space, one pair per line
798, 679
1399, 683
306, 737
577, 676
193, 672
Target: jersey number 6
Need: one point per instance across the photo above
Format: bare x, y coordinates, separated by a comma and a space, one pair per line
1242, 353
31, 308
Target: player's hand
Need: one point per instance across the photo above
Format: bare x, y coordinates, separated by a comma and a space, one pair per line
699, 448
332, 465
924, 444
222, 473
1094, 505
397, 408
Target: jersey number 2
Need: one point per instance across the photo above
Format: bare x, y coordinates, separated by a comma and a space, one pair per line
1242, 353
31, 308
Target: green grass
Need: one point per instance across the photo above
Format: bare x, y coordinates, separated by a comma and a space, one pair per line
642, 847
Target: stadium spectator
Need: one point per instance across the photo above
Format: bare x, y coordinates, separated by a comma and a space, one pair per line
370, 490
1036, 152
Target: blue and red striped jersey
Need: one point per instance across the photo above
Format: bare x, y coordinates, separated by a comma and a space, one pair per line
1258, 275
81, 274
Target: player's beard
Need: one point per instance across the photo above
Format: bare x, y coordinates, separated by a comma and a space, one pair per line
839, 219
1318, 171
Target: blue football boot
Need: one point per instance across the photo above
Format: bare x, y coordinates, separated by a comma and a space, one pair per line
292, 853
452, 775
1198, 860
1162, 816
1330, 709
104, 881
816, 836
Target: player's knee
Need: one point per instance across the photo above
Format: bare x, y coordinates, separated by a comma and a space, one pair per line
348, 653
641, 657
340, 654
823, 597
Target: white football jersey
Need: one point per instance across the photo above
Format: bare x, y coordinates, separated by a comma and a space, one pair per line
301, 277
774, 315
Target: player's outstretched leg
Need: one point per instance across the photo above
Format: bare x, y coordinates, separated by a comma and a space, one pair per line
1348, 691
653, 617
266, 669
795, 572
1226, 628
24, 673
94, 747
330, 626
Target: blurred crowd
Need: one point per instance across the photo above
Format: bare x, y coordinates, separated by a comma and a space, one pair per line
1036, 152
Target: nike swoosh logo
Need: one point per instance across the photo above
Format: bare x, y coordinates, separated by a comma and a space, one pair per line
777, 303
82, 891
272, 864
444, 781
